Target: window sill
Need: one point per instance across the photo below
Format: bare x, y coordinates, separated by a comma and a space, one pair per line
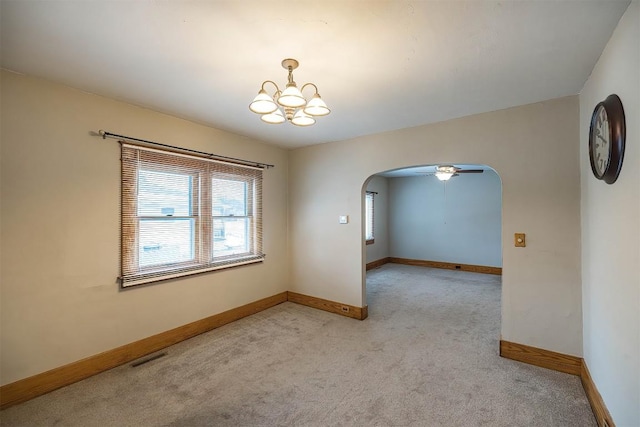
158, 276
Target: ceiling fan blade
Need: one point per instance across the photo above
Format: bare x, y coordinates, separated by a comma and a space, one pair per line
470, 171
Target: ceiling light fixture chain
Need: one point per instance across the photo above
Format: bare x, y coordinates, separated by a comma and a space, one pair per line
290, 65
297, 109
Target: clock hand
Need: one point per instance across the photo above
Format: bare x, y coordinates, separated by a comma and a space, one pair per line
603, 140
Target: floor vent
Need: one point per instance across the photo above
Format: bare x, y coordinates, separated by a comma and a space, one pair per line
147, 360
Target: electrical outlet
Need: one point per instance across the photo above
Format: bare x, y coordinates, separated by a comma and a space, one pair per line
345, 309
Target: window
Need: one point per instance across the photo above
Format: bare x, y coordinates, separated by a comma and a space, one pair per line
184, 214
369, 230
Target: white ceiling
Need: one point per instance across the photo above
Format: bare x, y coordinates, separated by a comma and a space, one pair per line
379, 65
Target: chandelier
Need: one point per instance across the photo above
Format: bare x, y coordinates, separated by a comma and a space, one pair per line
289, 104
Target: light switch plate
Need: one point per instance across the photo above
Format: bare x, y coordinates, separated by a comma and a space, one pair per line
343, 219
519, 240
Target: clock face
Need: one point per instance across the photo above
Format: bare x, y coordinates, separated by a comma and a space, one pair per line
601, 147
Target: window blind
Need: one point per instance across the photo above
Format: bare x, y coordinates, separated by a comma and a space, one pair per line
369, 217
183, 215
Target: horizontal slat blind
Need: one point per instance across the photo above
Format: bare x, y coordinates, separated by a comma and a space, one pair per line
183, 215
369, 216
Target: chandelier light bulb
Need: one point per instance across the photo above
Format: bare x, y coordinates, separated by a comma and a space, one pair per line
263, 103
274, 118
316, 106
292, 97
302, 119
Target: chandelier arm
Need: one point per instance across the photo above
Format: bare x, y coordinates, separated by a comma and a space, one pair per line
273, 83
309, 84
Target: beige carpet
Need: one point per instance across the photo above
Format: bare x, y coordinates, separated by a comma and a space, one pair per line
426, 356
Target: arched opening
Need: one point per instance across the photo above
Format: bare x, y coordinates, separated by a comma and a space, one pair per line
413, 217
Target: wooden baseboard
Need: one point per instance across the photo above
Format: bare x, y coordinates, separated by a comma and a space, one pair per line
448, 265
600, 411
28, 388
354, 312
540, 357
563, 363
378, 263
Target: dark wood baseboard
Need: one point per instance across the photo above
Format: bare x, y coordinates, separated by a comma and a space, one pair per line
540, 357
563, 363
378, 263
354, 312
448, 265
600, 411
28, 388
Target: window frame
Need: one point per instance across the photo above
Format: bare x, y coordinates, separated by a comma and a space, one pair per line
369, 217
193, 208
202, 170
248, 208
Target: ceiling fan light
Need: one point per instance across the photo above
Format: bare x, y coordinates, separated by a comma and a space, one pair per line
302, 119
291, 97
444, 172
444, 176
274, 118
316, 106
263, 103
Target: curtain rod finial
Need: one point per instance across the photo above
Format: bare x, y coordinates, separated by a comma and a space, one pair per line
102, 133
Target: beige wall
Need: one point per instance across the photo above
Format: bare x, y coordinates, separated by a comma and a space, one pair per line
611, 233
60, 229
534, 149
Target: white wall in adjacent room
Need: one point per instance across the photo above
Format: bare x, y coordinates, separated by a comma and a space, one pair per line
611, 232
456, 221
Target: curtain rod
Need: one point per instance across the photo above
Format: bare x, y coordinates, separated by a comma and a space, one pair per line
105, 134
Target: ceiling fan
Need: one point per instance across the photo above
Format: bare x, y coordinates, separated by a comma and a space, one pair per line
445, 172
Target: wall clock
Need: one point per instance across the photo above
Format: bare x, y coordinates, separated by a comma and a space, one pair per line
607, 135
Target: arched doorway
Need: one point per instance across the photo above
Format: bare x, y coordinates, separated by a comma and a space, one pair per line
416, 218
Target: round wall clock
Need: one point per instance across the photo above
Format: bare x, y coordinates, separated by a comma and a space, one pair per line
607, 135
